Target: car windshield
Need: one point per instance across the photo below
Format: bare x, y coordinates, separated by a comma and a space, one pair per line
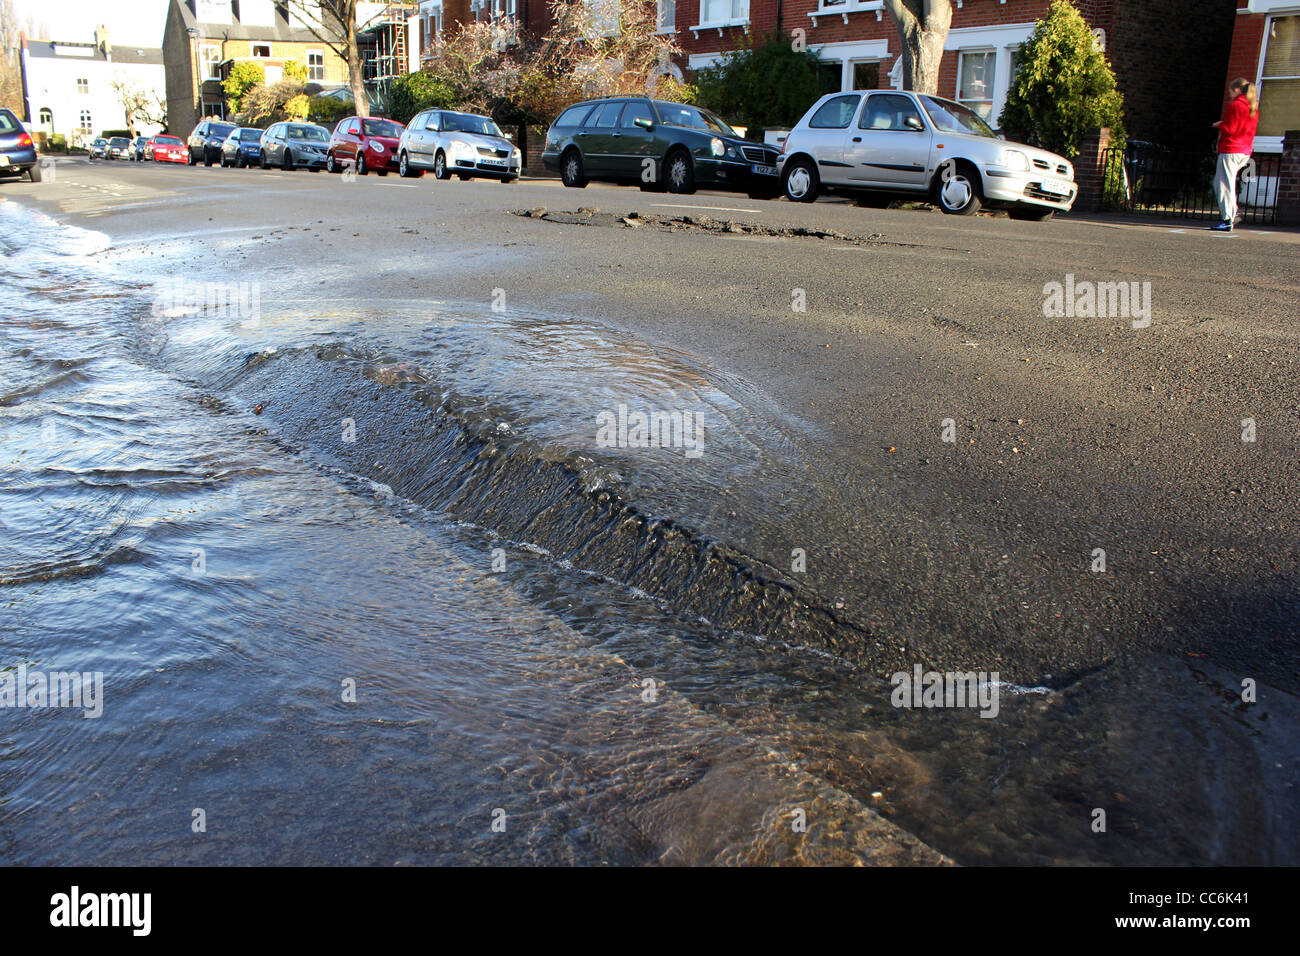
117, 141
692, 117
382, 127
312, 134
952, 117
469, 123
167, 140
220, 129
250, 134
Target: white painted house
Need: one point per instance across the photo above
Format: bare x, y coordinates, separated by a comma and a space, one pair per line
69, 87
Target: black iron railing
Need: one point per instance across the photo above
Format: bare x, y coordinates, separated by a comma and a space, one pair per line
1151, 180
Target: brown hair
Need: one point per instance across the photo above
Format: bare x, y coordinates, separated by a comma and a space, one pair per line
1243, 87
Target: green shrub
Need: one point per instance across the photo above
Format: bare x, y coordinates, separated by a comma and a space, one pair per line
242, 77
770, 84
328, 110
1063, 87
57, 143
418, 91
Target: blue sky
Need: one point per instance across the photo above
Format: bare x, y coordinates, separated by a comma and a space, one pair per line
137, 22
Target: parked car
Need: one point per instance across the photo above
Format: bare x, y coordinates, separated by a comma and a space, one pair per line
885, 144
462, 143
290, 145
168, 149
119, 147
658, 145
206, 140
140, 149
17, 151
367, 142
242, 148
98, 147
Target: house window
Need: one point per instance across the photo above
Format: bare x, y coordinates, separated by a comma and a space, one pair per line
866, 75
315, 65
262, 50
713, 12
975, 82
84, 122
83, 86
47, 118
211, 56
667, 16
604, 15
1279, 79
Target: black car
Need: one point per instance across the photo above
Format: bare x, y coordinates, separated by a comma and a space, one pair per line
119, 147
17, 151
206, 141
658, 145
242, 148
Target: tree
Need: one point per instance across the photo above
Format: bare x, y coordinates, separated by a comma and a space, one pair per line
334, 23
243, 76
922, 31
419, 91
766, 85
264, 102
11, 82
1064, 86
138, 104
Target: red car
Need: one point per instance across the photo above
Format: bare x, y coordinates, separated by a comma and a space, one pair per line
367, 141
167, 149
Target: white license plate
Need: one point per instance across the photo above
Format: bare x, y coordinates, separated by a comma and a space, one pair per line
1058, 186
493, 162
4, 160
763, 170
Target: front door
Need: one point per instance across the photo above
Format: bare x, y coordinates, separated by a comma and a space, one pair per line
828, 129
598, 140
636, 144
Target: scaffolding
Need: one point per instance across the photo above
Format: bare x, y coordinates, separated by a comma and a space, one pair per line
387, 45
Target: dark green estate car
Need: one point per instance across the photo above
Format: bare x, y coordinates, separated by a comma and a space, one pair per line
657, 145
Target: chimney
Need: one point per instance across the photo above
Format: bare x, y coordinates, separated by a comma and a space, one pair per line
101, 41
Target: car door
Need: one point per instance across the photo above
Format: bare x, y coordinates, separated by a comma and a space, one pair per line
828, 134
429, 138
889, 146
410, 140
351, 139
597, 140
274, 152
635, 144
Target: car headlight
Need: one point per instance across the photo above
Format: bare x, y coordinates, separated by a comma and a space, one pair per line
377, 147
1014, 159
717, 146
518, 157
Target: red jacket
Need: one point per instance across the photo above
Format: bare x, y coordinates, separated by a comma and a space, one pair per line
1237, 133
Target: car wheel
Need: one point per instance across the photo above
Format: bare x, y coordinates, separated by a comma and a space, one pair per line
361, 164
406, 170
261, 160
571, 171
287, 162
240, 160
800, 181
1031, 214
206, 160
330, 165
34, 173
509, 179
957, 190
464, 177
679, 172
190, 160
440, 170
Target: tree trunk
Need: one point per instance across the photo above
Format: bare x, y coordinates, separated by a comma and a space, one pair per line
359, 98
922, 31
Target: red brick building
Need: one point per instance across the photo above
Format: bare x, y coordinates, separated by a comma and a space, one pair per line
1266, 51
1168, 55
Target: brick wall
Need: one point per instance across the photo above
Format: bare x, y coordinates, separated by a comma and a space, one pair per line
1288, 192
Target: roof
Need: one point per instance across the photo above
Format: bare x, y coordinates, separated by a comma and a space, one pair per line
50, 50
234, 30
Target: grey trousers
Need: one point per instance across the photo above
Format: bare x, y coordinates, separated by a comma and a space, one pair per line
1225, 183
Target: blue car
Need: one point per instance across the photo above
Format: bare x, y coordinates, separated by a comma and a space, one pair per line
17, 151
242, 148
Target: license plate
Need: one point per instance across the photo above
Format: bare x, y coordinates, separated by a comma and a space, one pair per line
763, 170
4, 160
493, 162
1057, 186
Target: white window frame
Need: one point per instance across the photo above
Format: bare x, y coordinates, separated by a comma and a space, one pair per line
310, 69
660, 7
849, 53
86, 122
737, 16
991, 89
1001, 39
842, 9
1271, 144
210, 69
254, 47
46, 117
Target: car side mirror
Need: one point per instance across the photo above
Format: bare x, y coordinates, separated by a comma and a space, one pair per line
914, 123
644, 123
510, 136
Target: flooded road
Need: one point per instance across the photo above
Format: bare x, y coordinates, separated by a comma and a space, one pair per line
363, 589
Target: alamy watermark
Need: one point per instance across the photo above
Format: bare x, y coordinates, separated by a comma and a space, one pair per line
656, 428
933, 689
1099, 300
37, 690
219, 300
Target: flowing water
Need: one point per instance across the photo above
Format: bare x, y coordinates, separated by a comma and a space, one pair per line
362, 589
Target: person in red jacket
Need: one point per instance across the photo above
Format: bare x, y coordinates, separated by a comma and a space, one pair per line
1236, 143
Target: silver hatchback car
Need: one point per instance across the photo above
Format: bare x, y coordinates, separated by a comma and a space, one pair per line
880, 145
